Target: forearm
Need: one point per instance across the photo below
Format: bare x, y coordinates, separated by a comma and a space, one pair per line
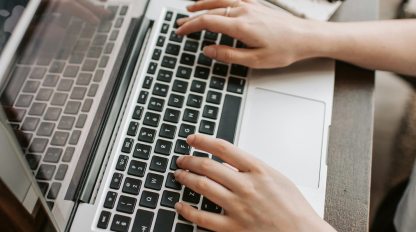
382, 45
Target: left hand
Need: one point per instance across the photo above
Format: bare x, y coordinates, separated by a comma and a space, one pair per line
254, 198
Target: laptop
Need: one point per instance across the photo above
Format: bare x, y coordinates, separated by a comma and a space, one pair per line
100, 112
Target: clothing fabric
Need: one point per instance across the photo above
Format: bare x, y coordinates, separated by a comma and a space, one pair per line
405, 218
10, 12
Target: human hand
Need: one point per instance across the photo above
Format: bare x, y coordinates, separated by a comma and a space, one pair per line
254, 198
274, 38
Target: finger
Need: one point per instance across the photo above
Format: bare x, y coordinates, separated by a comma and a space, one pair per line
214, 23
211, 221
246, 57
223, 150
220, 11
75, 9
205, 186
211, 169
11, 113
210, 4
98, 11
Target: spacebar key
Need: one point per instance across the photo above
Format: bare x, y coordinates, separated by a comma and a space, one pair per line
228, 120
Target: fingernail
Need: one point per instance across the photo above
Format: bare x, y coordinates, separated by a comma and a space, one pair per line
179, 160
178, 206
190, 139
177, 172
210, 52
178, 31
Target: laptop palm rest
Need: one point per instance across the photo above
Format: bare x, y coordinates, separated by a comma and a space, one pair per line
286, 132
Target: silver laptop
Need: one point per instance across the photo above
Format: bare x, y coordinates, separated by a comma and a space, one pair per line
101, 112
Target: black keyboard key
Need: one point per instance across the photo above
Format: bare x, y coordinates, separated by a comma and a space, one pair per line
239, 70
66, 123
194, 100
137, 168
59, 99
44, 95
207, 127
187, 59
200, 154
217, 83
138, 111
164, 221
240, 44
186, 130
211, 35
38, 145
53, 155
165, 28
50, 204
173, 49
151, 119
132, 186
184, 72
204, 60
143, 221
176, 100
172, 115
179, 16
65, 85
103, 220
229, 118
142, 151
169, 62
167, 131
160, 89
37, 73
72, 107
210, 112
133, 127
77, 58
191, 115
93, 52
84, 79
149, 200
210, 206
160, 41
37, 109
198, 86
236, 85
147, 82
176, 38
191, 196
116, 181
156, 54
104, 26
113, 36
122, 162
89, 65
81, 121
14, 126
69, 152
191, 46
168, 17
156, 104
220, 69
152, 68
165, 75
57, 67
59, 138
182, 147
25, 100
163, 147
45, 172
43, 187
195, 35
201, 72
127, 145
172, 183
183, 228
110, 200
173, 165
33, 161
72, 71
26, 141
54, 190
226, 40
78, 93
51, 80
13, 87
123, 10
158, 164
120, 223
60, 174
45, 129
206, 43
169, 199
30, 124
147, 135
143, 97
180, 86
214, 97
153, 181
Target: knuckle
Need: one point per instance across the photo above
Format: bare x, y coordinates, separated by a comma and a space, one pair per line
201, 185
221, 146
200, 220
206, 164
204, 19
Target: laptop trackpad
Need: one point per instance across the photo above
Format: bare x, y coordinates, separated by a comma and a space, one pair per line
286, 132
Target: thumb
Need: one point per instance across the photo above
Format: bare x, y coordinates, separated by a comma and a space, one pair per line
246, 57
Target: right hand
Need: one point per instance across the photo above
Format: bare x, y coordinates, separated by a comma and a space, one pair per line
275, 39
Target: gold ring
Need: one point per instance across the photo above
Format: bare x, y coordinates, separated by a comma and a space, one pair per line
228, 11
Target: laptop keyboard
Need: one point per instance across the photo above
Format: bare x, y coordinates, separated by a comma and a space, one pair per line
184, 92
53, 89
